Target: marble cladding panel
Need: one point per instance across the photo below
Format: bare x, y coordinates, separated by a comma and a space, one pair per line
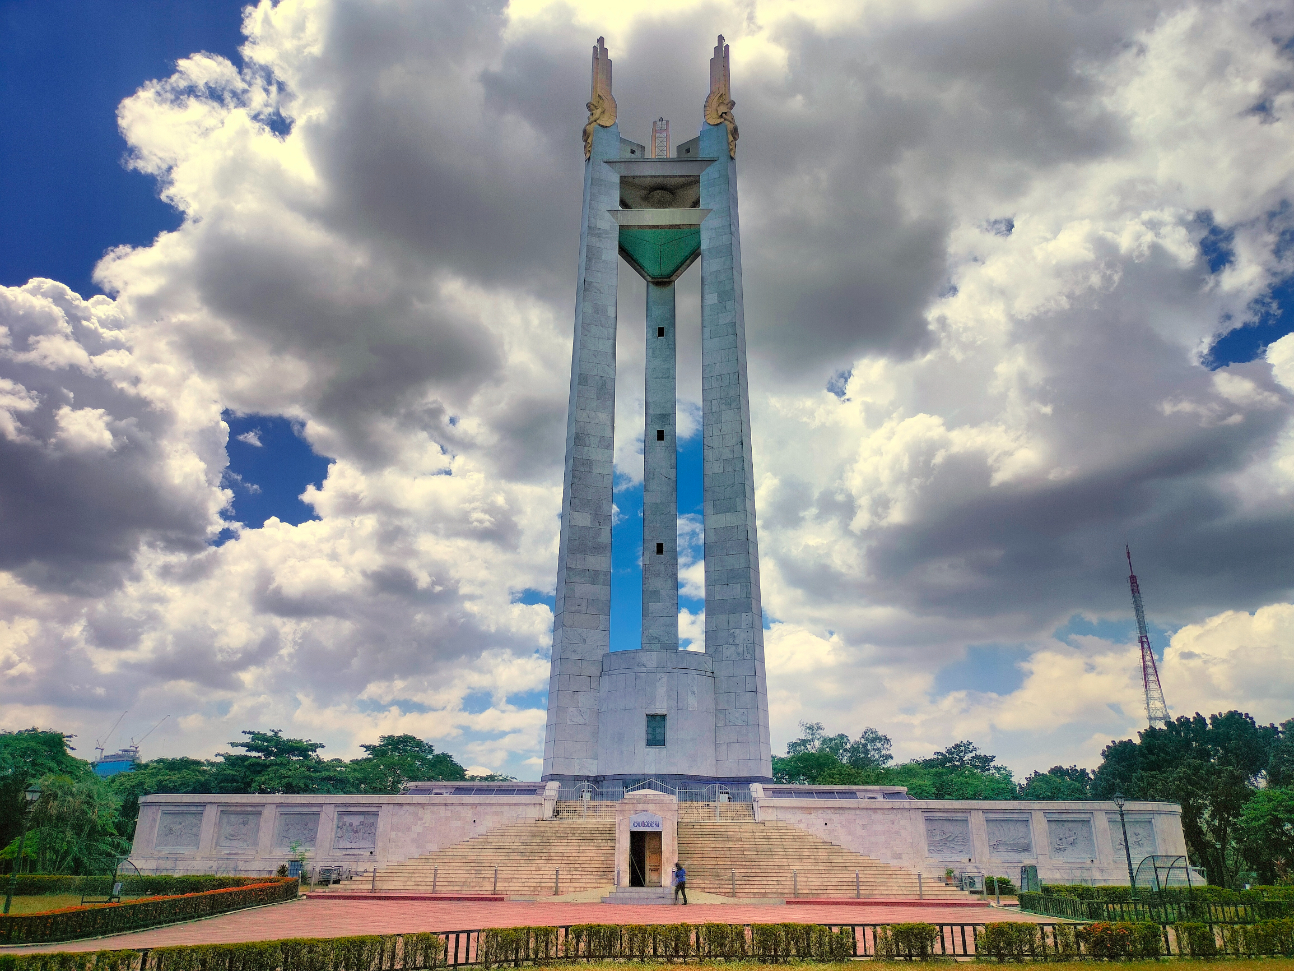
179, 830
239, 830
296, 827
948, 837
1009, 837
355, 830
1070, 838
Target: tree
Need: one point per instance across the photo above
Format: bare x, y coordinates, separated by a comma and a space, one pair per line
1208, 766
871, 750
1280, 764
960, 755
397, 759
1057, 784
1265, 832
74, 827
274, 764
25, 757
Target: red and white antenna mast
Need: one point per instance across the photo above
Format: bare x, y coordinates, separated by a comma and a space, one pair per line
1156, 707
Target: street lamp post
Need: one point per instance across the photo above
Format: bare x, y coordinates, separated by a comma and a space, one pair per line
32, 794
1127, 850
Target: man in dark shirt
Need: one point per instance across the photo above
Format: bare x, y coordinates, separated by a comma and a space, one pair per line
680, 883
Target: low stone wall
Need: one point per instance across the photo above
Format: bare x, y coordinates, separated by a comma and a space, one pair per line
242, 834
1069, 842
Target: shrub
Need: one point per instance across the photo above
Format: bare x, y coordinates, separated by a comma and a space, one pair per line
726, 941
1008, 940
910, 941
74, 922
768, 941
1119, 940
674, 941
1065, 940
1197, 940
1002, 885
1273, 936
594, 941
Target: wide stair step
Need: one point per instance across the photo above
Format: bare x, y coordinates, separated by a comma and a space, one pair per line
533, 859
776, 859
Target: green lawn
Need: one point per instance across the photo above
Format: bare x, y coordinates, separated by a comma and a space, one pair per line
47, 901
1225, 964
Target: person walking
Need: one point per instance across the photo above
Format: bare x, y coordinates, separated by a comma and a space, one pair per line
680, 883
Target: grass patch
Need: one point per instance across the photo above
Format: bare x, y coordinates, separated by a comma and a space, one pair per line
1224, 964
40, 903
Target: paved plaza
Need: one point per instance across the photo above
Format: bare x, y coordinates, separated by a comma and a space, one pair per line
343, 918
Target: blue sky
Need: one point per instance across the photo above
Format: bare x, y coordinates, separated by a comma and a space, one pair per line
889, 524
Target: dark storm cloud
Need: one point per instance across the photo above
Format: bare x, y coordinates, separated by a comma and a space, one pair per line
74, 510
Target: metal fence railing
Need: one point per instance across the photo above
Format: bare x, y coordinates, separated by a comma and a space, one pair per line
468, 948
616, 790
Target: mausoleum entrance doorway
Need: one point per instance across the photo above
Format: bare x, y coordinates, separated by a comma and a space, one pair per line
644, 859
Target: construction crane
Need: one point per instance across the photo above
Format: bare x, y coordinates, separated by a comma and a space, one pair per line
1156, 707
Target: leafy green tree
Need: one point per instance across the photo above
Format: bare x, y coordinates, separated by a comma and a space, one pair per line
397, 759
1280, 763
1208, 766
961, 755
74, 827
1057, 784
25, 757
1265, 832
274, 764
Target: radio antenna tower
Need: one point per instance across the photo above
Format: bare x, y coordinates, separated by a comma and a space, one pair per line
1156, 707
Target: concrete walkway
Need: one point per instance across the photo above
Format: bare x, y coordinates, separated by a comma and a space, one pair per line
342, 918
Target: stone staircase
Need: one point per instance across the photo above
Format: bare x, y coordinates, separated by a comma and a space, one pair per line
768, 859
527, 856
776, 859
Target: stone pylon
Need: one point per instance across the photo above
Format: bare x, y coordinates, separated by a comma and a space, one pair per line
656, 711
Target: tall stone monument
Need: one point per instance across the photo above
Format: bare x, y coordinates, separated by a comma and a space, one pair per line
677, 716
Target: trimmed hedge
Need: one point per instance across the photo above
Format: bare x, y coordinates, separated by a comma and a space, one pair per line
40, 884
911, 941
1202, 894
1120, 940
395, 952
514, 946
70, 923
1269, 937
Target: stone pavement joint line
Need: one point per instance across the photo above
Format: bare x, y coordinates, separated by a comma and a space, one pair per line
345, 918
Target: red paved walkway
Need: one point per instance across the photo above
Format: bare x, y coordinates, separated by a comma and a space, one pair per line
341, 918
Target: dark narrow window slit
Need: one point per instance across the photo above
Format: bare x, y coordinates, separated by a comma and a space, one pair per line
660, 331
660, 549
660, 434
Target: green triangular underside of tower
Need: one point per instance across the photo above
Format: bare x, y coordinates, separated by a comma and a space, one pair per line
659, 254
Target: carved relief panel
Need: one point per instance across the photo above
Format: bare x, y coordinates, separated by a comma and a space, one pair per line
238, 830
1071, 839
1141, 838
300, 828
1009, 837
179, 830
948, 837
355, 831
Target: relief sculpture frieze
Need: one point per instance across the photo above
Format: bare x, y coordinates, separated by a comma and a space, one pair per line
1071, 839
948, 837
239, 830
1009, 838
179, 830
301, 828
355, 831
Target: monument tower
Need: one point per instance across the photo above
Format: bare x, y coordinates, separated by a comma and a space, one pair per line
658, 712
